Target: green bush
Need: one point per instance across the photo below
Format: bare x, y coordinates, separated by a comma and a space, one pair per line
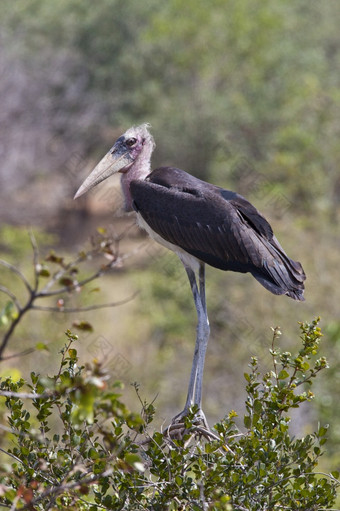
75, 445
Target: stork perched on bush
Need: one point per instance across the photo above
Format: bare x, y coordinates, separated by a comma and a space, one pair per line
203, 224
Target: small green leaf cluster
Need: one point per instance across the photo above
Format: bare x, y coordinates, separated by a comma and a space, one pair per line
99, 455
7, 314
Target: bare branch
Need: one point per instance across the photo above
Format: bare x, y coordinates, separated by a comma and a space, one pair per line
14, 323
83, 282
83, 309
20, 354
35, 258
11, 454
9, 332
24, 395
34, 293
15, 270
60, 273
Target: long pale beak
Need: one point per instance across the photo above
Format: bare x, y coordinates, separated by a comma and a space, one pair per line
110, 164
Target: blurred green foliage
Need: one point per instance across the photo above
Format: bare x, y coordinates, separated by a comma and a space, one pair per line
15, 242
222, 84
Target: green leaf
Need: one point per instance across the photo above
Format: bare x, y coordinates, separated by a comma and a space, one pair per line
41, 346
8, 313
3, 320
53, 258
283, 375
83, 325
66, 281
83, 409
323, 430
135, 461
93, 453
247, 421
210, 447
72, 353
34, 377
179, 480
131, 458
257, 406
44, 272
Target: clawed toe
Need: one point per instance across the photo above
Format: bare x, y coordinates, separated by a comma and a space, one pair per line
188, 421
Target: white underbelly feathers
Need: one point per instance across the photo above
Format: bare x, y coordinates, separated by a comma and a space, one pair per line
187, 259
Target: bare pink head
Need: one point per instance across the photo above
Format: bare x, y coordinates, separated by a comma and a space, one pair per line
130, 155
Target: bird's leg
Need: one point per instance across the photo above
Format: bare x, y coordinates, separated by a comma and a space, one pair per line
201, 277
203, 334
199, 308
194, 396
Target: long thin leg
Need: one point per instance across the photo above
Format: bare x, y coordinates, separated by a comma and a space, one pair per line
204, 333
192, 382
196, 376
201, 276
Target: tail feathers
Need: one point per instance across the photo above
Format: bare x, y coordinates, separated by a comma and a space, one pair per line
281, 275
291, 289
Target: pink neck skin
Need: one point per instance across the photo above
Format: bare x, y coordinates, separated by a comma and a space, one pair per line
139, 170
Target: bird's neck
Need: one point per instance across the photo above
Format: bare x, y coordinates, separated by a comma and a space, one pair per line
139, 170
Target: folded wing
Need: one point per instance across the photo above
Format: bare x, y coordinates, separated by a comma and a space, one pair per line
216, 226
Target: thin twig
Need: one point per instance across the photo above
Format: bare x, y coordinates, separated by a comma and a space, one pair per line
58, 274
20, 354
25, 464
34, 293
9, 293
328, 475
11, 455
117, 262
92, 479
35, 258
25, 395
65, 289
14, 323
15, 270
10, 430
63, 354
83, 309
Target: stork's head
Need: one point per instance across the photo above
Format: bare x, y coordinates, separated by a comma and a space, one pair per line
136, 144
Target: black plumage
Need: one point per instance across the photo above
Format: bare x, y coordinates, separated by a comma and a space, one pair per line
218, 227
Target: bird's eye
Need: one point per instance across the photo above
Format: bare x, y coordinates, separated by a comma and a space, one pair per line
131, 141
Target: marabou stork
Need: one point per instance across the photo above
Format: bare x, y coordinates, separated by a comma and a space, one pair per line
201, 223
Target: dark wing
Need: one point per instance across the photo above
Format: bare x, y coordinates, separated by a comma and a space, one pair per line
218, 227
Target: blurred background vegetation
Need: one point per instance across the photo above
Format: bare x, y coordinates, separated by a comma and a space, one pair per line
243, 94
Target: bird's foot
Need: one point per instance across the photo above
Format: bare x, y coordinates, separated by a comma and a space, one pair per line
194, 415
189, 421
192, 424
